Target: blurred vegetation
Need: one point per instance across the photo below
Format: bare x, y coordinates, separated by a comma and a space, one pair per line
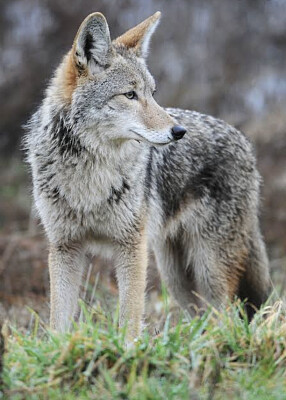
218, 57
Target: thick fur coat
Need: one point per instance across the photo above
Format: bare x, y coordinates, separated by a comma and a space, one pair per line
109, 178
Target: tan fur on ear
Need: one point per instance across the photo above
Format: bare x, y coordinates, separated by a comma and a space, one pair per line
71, 70
70, 75
67, 76
138, 37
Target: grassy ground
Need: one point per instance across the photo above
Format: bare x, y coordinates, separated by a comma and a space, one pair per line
217, 356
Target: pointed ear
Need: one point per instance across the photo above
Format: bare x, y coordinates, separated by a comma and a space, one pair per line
138, 38
92, 50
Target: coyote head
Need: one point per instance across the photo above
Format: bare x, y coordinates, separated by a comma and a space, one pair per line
108, 89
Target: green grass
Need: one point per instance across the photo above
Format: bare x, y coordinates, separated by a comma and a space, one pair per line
218, 356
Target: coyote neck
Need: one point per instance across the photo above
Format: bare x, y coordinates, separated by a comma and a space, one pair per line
108, 170
114, 165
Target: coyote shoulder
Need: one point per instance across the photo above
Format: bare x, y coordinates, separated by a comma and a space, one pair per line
116, 174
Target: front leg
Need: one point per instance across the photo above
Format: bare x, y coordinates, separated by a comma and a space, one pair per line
131, 275
66, 265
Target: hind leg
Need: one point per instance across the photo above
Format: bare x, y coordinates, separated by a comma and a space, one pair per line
195, 280
255, 284
180, 281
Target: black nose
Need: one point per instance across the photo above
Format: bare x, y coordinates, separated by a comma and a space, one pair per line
178, 132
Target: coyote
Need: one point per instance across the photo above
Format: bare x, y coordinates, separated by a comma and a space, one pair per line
115, 174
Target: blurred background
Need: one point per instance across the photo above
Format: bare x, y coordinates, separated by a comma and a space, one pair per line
220, 57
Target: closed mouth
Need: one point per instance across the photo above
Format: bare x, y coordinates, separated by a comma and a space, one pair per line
149, 141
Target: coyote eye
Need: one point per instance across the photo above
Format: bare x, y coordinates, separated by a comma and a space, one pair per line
154, 91
131, 95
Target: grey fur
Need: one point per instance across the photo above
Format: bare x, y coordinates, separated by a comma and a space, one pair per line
102, 181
